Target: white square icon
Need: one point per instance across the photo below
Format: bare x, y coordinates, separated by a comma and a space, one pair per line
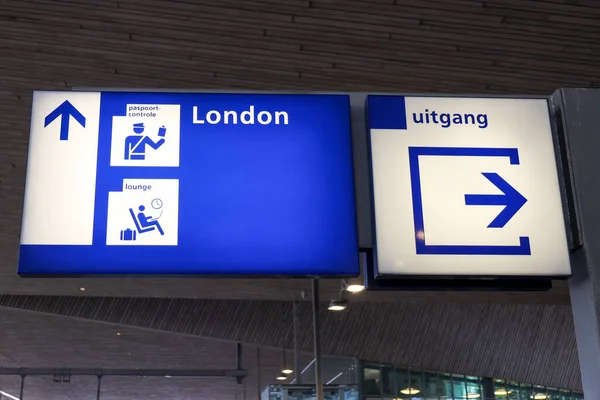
148, 136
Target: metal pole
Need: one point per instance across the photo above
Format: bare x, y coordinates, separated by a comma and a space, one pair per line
238, 354
22, 387
297, 366
317, 339
258, 372
99, 387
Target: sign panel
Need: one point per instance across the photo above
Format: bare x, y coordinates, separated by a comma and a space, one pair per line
184, 183
465, 186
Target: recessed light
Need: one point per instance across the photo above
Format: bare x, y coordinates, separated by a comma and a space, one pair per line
338, 305
118, 333
81, 289
281, 377
167, 376
355, 288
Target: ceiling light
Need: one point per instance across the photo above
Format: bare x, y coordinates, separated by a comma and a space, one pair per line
338, 305
471, 396
167, 376
81, 289
409, 391
539, 396
502, 392
281, 377
118, 333
287, 371
355, 288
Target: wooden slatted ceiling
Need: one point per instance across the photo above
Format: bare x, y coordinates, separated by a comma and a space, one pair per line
37, 340
527, 343
463, 46
454, 46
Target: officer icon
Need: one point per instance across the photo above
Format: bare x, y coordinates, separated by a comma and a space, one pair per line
135, 145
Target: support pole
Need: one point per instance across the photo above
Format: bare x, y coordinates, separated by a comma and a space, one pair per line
99, 387
317, 339
22, 387
258, 388
576, 113
238, 355
297, 366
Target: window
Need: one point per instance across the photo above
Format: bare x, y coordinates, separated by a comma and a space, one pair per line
513, 391
431, 387
539, 393
474, 388
445, 386
526, 392
372, 381
389, 382
577, 395
564, 394
552, 394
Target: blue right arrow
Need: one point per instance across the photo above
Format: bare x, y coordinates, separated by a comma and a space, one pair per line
511, 199
65, 111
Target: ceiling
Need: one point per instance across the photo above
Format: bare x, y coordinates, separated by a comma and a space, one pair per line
437, 46
36, 340
526, 343
454, 46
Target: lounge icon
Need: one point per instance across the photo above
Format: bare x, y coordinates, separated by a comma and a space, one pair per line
145, 223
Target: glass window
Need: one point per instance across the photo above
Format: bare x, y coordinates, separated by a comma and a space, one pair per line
416, 382
408, 383
552, 394
512, 389
459, 387
525, 391
539, 393
431, 388
565, 394
500, 389
473, 388
372, 381
388, 381
445, 386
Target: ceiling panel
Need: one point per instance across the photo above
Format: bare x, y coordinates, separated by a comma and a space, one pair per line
527, 343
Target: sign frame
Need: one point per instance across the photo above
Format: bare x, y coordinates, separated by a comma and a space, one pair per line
203, 274
476, 282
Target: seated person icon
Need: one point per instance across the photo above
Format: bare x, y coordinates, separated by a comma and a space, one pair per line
145, 223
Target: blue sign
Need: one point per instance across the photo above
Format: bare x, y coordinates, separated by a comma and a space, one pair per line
465, 186
182, 183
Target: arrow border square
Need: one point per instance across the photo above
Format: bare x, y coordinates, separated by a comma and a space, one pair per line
524, 247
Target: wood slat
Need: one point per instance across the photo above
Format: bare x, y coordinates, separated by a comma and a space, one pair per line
441, 46
533, 344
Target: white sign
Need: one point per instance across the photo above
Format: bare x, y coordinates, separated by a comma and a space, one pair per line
465, 186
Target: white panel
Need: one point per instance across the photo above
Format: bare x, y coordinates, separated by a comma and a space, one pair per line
158, 202
157, 120
445, 180
61, 174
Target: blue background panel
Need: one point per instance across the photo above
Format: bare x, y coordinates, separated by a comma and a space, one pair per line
386, 112
253, 199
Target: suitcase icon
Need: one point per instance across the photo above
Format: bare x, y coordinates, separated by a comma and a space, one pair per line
128, 234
